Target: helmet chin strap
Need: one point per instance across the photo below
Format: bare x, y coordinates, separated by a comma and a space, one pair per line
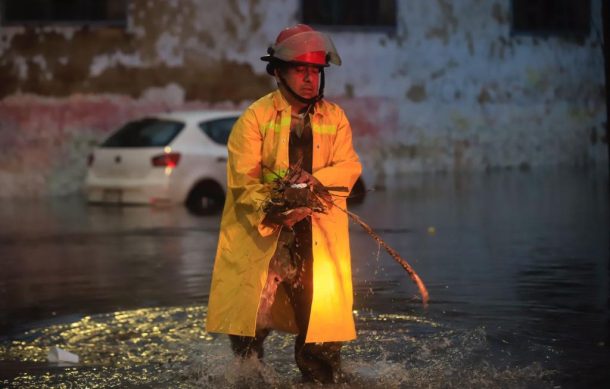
300, 98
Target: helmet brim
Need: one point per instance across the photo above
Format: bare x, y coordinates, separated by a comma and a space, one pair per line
304, 48
273, 62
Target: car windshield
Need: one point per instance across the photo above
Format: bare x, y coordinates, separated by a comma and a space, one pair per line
218, 130
145, 133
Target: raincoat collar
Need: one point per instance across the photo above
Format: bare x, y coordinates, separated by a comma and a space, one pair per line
280, 103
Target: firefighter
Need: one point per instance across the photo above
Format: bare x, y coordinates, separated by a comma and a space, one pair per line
288, 271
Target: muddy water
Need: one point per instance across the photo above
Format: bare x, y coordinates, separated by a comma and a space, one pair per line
516, 264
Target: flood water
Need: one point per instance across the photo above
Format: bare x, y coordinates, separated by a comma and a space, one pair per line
516, 263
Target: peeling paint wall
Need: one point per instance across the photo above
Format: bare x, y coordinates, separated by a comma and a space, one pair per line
468, 95
179, 42
449, 90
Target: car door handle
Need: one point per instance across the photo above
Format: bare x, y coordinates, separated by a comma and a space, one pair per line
221, 159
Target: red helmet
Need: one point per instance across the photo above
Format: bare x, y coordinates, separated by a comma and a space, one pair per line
302, 44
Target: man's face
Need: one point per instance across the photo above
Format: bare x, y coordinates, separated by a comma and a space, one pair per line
303, 79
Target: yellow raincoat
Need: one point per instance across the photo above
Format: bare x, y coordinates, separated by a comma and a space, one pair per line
245, 247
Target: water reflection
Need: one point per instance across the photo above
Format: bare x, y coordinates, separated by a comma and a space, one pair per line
99, 259
516, 265
168, 348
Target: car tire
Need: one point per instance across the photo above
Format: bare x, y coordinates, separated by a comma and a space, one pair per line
206, 198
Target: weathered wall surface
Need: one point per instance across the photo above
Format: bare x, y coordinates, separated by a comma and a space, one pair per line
451, 89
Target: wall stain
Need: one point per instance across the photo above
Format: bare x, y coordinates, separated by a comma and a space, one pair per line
230, 28
206, 38
470, 43
417, 93
448, 23
401, 35
441, 33
235, 10
438, 73
255, 18
484, 96
499, 15
505, 45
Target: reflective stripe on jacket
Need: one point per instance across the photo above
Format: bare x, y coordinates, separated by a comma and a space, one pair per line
245, 246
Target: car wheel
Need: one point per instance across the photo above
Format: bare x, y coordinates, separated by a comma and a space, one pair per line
206, 198
358, 193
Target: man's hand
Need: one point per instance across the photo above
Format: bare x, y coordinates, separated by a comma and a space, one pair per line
288, 218
293, 216
298, 197
303, 177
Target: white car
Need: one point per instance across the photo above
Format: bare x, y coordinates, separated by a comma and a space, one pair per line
173, 158
168, 158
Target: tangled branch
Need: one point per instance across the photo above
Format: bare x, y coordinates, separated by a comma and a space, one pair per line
319, 199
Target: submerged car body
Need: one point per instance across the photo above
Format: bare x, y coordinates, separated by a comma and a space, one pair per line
168, 158
164, 159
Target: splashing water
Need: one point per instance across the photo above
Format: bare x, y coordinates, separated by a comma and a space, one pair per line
169, 347
517, 269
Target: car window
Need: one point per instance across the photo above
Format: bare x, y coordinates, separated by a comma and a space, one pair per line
218, 130
145, 133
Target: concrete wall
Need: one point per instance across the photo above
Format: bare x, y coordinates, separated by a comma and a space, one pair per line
449, 90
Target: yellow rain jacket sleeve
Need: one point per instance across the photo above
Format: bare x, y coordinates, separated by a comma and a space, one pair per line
258, 150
